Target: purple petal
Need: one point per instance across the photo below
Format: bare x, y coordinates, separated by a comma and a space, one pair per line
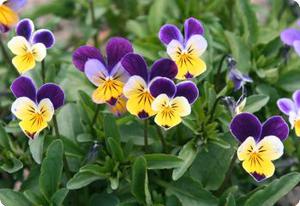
192, 26
245, 125
296, 45
286, 105
296, 98
187, 89
15, 4
52, 92
116, 49
135, 64
164, 68
3, 28
45, 37
258, 177
24, 87
169, 32
162, 85
275, 126
288, 36
25, 28
83, 54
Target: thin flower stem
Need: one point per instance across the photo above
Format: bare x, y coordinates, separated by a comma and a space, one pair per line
146, 135
220, 68
43, 71
55, 126
92, 8
162, 139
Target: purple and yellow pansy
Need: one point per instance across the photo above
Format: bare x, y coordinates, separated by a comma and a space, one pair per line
8, 13
291, 108
137, 90
260, 143
172, 102
185, 51
35, 108
108, 76
29, 46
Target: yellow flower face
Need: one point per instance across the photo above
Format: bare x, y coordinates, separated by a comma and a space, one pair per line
257, 157
26, 54
34, 118
139, 98
188, 58
8, 17
170, 111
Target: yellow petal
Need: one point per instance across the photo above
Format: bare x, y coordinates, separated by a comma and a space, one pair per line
32, 128
39, 51
160, 102
120, 107
181, 106
245, 149
134, 86
19, 45
167, 119
189, 66
264, 167
46, 109
24, 108
24, 63
270, 148
297, 127
141, 105
7, 16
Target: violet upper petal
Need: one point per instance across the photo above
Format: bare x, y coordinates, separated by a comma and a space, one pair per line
45, 37
25, 28
192, 26
296, 98
24, 87
169, 32
187, 89
296, 45
245, 125
116, 49
135, 64
275, 126
288, 36
162, 85
286, 105
52, 92
15, 4
83, 54
164, 68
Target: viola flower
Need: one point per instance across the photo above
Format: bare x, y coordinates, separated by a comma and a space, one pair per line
108, 76
291, 37
136, 90
235, 107
120, 107
172, 102
29, 46
8, 13
291, 108
185, 51
260, 143
35, 108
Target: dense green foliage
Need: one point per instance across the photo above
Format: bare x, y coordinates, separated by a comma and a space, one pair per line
102, 161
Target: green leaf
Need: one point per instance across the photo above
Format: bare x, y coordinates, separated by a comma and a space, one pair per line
215, 159
240, 51
11, 198
256, 102
36, 148
162, 161
82, 179
139, 185
13, 165
188, 154
116, 149
274, 191
59, 196
191, 193
35, 197
104, 199
157, 14
110, 127
289, 81
4, 138
51, 169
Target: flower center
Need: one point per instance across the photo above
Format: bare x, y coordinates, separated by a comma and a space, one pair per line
255, 155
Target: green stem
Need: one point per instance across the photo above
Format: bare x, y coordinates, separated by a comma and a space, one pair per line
43, 71
162, 139
55, 126
92, 8
213, 110
220, 68
146, 135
